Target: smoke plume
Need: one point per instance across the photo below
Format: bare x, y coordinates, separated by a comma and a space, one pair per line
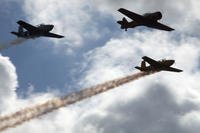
12, 43
17, 118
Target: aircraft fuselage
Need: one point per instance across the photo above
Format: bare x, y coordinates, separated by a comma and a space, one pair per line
162, 66
42, 29
27, 30
149, 20
45, 28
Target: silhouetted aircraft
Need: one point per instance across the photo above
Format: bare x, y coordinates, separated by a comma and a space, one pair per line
148, 19
35, 31
162, 65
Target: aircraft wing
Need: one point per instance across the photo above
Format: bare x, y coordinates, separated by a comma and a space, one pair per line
173, 69
53, 35
160, 26
27, 26
150, 61
132, 15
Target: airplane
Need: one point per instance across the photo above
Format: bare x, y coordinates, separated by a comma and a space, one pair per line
41, 30
162, 65
148, 19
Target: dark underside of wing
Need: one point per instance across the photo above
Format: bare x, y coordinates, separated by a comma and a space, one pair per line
160, 26
173, 69
131, 15
27, 26
52, 35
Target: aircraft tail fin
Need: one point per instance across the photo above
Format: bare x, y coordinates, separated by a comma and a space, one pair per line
123, 23
143, 64
139, 68
20, 29
142, 67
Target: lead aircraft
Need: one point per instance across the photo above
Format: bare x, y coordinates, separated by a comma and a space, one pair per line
148, 19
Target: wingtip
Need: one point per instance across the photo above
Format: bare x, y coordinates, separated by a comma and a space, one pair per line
119, 22
172, 29
179, 71
14, 33
144, 57
136, 67
61, 37
20, 21
120, 9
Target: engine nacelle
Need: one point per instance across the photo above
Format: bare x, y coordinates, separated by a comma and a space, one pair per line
154, 16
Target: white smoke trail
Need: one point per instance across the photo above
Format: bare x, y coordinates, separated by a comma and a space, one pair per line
29, 113
17, 41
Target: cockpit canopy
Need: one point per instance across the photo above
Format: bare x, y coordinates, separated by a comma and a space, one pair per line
45, 27
166, 62
154, 16
40, 25
163, 60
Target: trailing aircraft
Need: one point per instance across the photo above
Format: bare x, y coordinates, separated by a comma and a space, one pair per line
41, 30
162, 65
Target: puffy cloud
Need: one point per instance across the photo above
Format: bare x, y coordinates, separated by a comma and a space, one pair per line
154, 111
8, 84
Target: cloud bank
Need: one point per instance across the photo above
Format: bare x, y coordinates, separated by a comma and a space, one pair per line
8, 84
165, 102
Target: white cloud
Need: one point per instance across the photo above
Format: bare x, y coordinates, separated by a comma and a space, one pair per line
191, 121
154, 111
8, 82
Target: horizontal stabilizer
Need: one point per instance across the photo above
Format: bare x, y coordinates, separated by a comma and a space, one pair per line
14, 33
139, 68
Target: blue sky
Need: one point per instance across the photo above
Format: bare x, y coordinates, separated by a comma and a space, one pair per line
95, 50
